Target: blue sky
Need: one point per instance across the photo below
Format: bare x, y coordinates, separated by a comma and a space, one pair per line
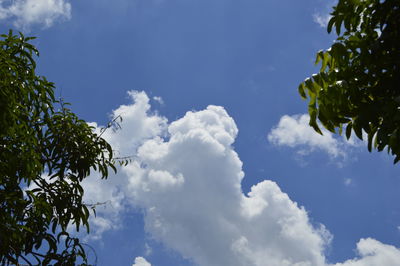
227, 172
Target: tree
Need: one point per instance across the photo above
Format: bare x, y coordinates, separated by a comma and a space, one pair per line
358, 85
44, 156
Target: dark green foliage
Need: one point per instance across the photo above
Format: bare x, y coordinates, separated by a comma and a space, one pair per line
38, 140
359, 81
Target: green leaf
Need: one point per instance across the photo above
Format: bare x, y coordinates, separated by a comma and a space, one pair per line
330, 24
357, 128
370, 138
301, 91
348, 130
338, 25
39, 141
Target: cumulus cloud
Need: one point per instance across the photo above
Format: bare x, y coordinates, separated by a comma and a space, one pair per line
108, 200
138, 125
140, 261
372, 253
25, 13
295, 132
186, 177
201, 210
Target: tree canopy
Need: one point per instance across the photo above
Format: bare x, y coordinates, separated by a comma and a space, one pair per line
45, 153
358, 82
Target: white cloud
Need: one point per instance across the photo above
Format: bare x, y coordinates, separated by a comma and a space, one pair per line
158, 99
140, 261
348, 181
108, 199
25, 13
189, 185
204, 214
186, 177
137, 125
294, 131
321, 19
373, 253
322, 16
147, 249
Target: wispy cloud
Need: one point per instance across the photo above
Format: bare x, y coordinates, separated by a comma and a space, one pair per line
26, 13
158, 99
322, 15
321, 19
348, 181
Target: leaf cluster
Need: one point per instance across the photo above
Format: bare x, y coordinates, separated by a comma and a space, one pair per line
357, 86
45, 153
